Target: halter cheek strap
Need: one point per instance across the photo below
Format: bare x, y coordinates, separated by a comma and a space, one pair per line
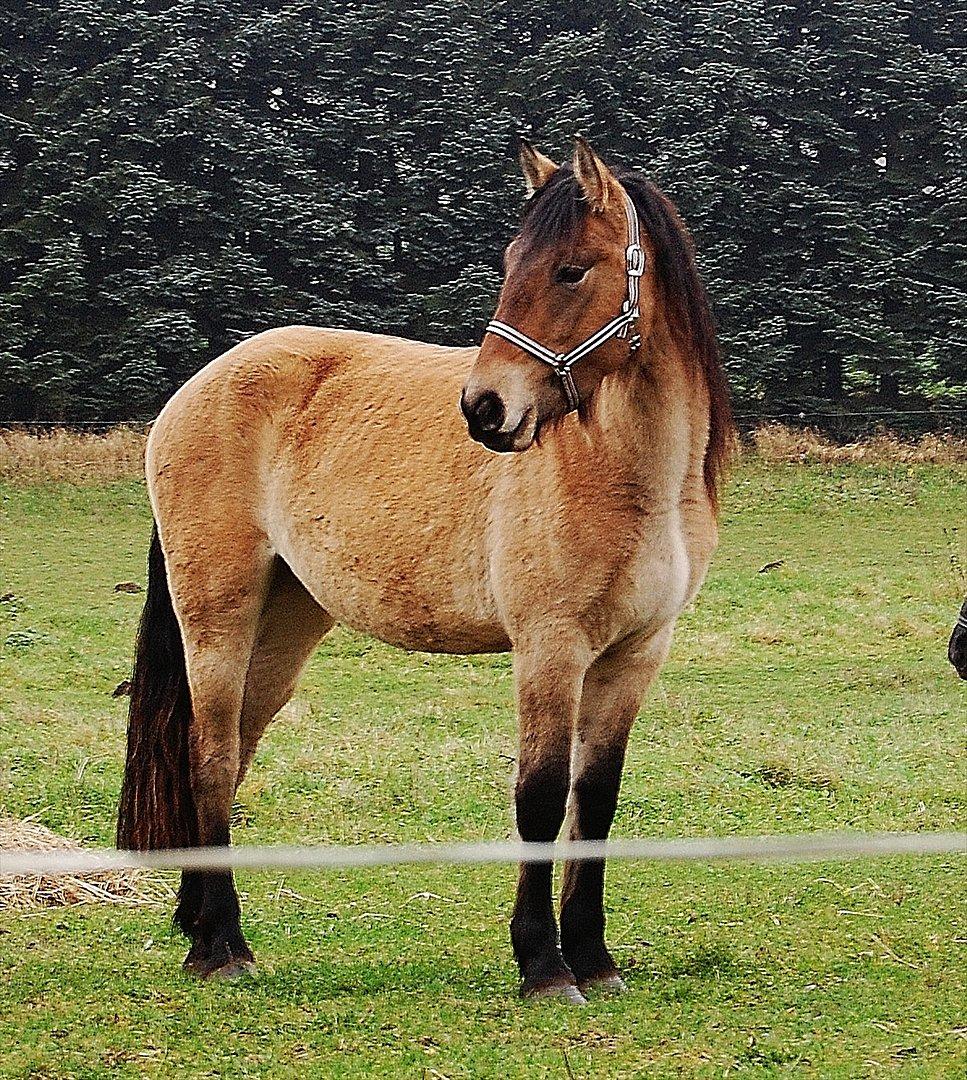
619, 326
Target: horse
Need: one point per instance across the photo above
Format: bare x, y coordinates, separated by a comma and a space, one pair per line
311, 476
957, 646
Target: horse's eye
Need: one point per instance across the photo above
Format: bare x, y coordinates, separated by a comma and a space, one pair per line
571, 275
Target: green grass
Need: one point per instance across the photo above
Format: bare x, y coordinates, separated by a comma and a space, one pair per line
813, 696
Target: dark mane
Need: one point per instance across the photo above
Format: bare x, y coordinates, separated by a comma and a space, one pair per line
557, 210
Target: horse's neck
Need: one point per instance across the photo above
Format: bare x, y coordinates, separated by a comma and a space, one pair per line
649, 422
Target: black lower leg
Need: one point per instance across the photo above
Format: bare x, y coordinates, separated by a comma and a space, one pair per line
190, 895
208, 912
541, 798
216, 932
582, 898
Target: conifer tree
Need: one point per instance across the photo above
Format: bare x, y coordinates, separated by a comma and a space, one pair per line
177, 175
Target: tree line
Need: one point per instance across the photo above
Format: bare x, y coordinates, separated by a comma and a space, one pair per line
177, 175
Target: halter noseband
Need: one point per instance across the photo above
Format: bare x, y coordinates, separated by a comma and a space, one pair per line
618, 327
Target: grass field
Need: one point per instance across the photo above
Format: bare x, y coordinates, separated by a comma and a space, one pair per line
813, 696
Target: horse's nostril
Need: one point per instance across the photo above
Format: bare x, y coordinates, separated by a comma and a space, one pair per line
489, 413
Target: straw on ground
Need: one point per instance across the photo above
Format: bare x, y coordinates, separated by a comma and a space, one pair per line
27, 892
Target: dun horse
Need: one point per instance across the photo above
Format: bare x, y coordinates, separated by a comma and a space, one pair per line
310, 476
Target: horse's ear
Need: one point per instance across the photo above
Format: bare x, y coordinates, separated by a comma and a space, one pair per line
596, 179
537, 168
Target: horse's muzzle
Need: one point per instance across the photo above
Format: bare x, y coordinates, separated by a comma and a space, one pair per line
488, 423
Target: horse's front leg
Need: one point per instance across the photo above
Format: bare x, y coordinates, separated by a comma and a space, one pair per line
548, 697
613, 689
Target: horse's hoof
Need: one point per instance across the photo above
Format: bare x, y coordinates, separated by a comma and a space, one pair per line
606, 984
568, 991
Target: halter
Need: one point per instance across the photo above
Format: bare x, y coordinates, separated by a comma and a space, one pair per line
618, 327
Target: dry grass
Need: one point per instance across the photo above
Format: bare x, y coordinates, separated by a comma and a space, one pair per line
778, 443
60, 454
22, 893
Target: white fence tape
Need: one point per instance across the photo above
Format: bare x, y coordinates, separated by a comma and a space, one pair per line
801, 848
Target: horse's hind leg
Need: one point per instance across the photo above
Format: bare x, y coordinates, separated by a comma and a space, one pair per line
235, 700
613, 690
218, 590
290, 627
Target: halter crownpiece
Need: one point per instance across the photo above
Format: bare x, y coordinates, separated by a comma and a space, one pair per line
618, 327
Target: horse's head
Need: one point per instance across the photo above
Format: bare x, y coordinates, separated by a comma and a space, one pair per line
568, 276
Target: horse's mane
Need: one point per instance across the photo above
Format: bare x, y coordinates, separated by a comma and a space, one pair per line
555, 212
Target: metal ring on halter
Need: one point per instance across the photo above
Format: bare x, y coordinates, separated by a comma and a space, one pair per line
618, 327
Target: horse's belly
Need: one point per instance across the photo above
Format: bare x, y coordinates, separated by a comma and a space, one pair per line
410, 618
413, 591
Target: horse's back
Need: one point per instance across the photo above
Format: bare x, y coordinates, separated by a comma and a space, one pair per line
268, 384
290, 363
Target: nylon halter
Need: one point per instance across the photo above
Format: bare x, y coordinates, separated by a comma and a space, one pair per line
618, 327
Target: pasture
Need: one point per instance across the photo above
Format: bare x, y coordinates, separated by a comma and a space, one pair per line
813, 695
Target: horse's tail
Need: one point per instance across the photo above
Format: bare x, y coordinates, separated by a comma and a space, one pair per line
157, 807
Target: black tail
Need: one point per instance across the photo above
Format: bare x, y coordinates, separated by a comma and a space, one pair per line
157, 807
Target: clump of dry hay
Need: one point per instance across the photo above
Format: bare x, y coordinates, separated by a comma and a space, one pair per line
779, 443
27, 892
28, 457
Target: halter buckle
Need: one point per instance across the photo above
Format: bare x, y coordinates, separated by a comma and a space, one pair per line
635, 260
